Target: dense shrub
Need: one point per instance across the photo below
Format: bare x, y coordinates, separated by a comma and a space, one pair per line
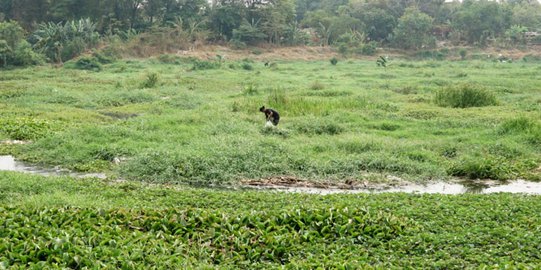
88, 63
465, 96
14, 50
203, 65
104, 57
25, 56
247, 66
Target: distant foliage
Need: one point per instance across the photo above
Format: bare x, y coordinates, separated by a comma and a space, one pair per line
14, 50
465, 96
413, 30
61, 42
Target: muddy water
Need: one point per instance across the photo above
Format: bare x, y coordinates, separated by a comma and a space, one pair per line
8, 163
517, 186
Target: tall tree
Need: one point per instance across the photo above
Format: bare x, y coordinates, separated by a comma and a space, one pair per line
527, 15
378, 23
413, 30
226, 18
277, 18
480, 20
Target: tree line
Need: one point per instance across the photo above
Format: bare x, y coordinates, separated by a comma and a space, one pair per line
350, 25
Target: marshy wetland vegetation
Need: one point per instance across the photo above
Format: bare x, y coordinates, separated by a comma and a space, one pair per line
161, 127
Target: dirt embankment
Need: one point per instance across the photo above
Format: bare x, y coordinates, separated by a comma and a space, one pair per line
310, 53
261, 54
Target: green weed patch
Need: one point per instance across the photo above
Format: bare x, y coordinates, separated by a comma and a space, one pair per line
79, 238
63, 222
24, 128
465, 96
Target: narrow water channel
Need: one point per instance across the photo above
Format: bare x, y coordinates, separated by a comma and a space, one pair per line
8, 163
516, 186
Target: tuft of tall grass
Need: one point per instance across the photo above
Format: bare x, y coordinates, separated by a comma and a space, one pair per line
465, 96
486, 167
318, 127
204, 65
518, 125
317, 85
150, 81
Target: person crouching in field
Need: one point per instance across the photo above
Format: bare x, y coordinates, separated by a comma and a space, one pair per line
270, 115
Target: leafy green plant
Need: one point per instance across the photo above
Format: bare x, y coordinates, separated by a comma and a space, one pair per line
382, 61
24, 128
61, 42
334, 61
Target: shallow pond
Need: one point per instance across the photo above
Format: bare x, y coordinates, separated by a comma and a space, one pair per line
8, 163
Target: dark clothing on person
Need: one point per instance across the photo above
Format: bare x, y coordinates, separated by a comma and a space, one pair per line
271, 115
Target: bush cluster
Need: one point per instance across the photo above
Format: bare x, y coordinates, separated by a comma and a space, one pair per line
465, 96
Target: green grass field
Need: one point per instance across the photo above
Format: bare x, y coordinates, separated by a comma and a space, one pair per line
179, 120
173, 120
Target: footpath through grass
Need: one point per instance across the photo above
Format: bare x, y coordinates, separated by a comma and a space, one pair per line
180, 120
61, 222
